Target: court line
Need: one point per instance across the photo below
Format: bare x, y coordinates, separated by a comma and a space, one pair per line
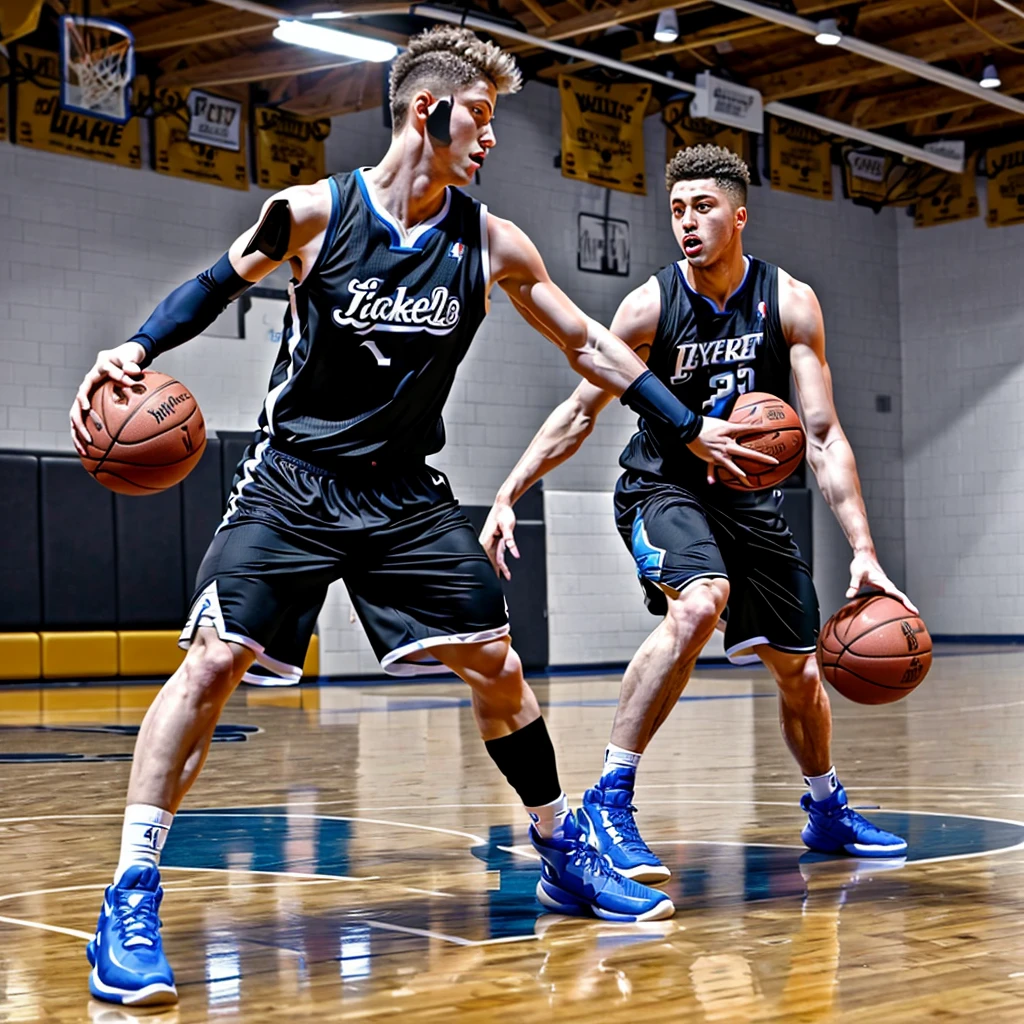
422, 932
46, 927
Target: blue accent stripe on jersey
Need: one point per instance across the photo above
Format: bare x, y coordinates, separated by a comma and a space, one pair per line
396, 238
711, 302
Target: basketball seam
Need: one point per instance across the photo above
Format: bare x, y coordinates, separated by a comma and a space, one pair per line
159, 433
864, 679
157, 465
131, 416
877, 625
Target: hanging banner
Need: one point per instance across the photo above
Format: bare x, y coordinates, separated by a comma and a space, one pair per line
41, 122
175, 154
214, 121
953, 197
603, 133
1004, 166
289, 149
5, 70
682, 130
876, 179
799, 159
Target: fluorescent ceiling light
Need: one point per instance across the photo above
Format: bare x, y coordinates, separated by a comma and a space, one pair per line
667, 29
327, 15
331, 40
990, 79
828, 33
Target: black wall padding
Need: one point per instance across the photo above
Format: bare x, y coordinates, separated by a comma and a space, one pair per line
149, 562
21, 601
232, 447
78, 568
202, 505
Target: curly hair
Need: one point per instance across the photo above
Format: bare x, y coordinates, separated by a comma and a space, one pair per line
443, 59
731, 174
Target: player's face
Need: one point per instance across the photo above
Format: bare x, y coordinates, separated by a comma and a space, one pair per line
704, 220
472, 129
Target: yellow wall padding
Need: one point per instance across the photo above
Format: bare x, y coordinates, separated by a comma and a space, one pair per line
79, 655
149, 652
311, 666
19, 656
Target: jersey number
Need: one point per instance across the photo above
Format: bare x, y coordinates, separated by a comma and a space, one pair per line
382, 360
728, 384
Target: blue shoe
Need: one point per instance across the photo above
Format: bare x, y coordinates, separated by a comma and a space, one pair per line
606, 819
576, 879
127, 957
833, 828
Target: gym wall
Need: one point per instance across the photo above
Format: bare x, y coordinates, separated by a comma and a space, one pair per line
90, 249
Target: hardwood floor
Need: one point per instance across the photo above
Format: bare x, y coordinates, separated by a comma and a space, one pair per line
350, 853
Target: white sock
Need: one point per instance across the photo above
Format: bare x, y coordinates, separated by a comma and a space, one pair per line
619, 757
822, 786
142, 836
549, 819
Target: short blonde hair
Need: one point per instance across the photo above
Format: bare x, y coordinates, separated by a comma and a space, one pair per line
727, 169
446, 58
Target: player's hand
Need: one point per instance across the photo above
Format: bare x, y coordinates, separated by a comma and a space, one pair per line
498, 536
717, 445
119, 364
867, 574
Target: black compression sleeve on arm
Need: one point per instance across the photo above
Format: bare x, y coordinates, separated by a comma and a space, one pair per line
652, 400
190, 309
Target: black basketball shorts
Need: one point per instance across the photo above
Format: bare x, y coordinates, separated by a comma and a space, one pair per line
412, 564
676, 537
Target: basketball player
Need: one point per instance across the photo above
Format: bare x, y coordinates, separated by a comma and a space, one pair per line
712, 326
392, 268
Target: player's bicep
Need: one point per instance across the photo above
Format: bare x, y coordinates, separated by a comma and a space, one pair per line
636, 319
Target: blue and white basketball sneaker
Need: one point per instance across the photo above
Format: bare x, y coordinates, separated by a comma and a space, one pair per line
606, 819
127, 957
832, 827
576, 879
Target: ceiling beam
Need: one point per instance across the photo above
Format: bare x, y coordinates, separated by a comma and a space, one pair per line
966, 122
262, 65
887, 57
340, 92
926, 101
607, 17
188, 28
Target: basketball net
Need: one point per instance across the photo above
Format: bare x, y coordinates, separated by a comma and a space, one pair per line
97, 67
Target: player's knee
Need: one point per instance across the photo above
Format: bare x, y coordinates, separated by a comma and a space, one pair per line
696, 611
501, 676
209, 667
800, 677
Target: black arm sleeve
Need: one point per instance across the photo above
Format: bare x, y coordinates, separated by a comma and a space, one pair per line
648, 397
190, 309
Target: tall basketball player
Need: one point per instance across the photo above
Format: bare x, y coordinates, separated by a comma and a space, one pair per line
712, 326
392, 266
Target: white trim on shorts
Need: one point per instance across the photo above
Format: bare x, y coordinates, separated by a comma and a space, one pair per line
248, 468
732, 653
394, 666
210, 614
485, 257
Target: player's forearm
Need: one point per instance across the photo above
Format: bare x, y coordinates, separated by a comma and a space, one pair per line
835, 468
559, 437
604, 360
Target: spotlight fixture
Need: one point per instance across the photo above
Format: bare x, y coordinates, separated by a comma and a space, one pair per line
990, 78
667, 29
331, 40
828, 33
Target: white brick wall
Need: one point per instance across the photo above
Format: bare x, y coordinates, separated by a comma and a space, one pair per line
962, 298
90, 249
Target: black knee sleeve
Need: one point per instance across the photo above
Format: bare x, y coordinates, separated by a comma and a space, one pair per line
526, 758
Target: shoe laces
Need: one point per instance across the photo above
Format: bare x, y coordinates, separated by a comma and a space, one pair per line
137, 923
625, 824
586, 857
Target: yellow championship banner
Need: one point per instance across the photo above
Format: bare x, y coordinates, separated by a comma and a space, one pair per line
42, 123
289, 148
799, 159
952, 197
603, 133
682, 130
177, 155
1004, 166
876, 179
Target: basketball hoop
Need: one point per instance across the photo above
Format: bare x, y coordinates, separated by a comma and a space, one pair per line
97, 65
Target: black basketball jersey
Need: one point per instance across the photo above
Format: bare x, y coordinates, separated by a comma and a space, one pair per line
708, 357
383, 323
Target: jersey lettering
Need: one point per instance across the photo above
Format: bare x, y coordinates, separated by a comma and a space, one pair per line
437, 313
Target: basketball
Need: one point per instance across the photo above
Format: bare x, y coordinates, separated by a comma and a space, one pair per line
874, 651
146, 436
775, 430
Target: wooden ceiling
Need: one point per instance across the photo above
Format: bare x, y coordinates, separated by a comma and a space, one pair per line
208, 45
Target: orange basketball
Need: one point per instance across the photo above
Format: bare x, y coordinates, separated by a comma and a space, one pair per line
775, 430
874, 651
146, 436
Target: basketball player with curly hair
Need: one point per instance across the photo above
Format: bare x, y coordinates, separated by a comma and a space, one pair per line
713, 326
392, 269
